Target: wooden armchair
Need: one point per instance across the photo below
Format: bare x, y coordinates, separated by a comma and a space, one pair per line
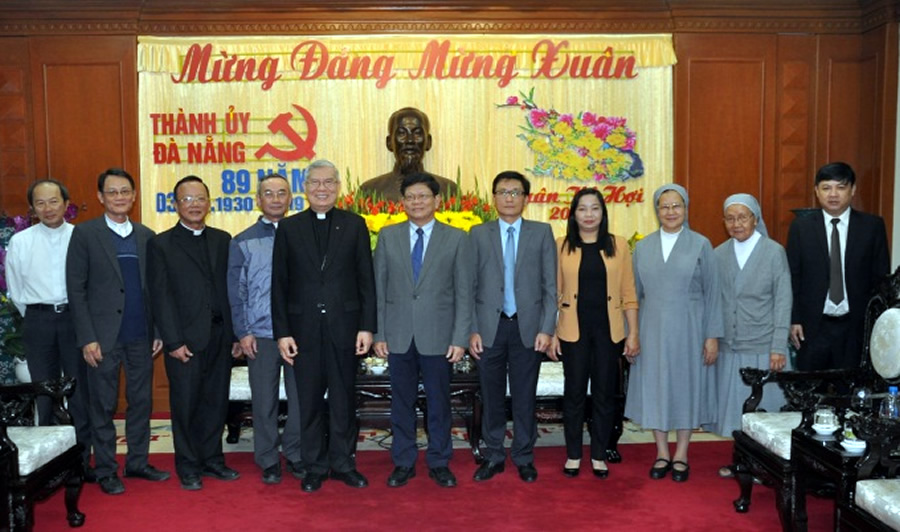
36, 461
874, 503
762, 448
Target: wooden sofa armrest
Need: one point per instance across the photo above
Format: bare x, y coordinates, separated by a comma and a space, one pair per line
882, 458
802, 389
17, 400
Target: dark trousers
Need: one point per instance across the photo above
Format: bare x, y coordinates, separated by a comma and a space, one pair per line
198, 393
137, 359
265, 374
508, 356
50, 347
836, 345
436, 371
333, 370
594, 356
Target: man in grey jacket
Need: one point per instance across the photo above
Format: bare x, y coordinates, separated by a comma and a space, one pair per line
249, 292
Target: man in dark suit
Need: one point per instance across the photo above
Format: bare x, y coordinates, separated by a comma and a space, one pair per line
513, 320
323, 313
423, 286
105, 278
837, 257
186, 270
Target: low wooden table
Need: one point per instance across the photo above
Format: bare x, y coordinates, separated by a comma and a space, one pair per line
373, 404
823, 456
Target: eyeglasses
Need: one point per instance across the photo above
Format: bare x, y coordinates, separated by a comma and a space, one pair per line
674, 207
120, 193
189, 200
510, 193
317, 183
417, 197
269, 194
740, 218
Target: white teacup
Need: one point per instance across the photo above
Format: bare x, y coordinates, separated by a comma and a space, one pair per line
826, 418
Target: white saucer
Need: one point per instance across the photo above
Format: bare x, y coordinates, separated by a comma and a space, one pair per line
853, 446
825, 430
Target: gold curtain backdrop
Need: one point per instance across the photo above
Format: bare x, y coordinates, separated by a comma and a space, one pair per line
208, 105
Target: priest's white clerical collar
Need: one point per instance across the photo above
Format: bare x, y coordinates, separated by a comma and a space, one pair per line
265, 220
195, 232
122, 229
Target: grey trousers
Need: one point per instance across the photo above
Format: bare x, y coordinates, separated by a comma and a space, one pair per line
265, 372
104, 384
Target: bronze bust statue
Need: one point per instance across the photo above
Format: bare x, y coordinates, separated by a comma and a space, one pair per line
408, 139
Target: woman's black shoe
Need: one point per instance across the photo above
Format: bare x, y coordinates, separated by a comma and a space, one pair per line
657, 473
681, 475
571, 472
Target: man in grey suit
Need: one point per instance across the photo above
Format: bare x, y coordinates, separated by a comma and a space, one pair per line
423, 296
514, 317
106, 282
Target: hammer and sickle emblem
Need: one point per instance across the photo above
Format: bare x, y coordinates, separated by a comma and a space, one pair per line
303, 148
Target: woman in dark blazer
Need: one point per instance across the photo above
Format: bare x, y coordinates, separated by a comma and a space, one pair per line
596, 294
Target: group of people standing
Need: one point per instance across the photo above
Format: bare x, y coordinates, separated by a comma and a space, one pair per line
304, 295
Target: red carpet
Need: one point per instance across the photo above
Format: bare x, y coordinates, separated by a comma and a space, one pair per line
627, 500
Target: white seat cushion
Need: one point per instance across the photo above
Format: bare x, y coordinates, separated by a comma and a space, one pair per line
881, 498
240, 385
550, 381
39, 445
772, 430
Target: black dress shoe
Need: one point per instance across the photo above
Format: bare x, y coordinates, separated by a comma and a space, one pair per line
613, 456
312, 482
298, 469
191, 482
443, 477
221, 472
272, 474
527, 472
400, 476
487, 470
352, 478
148, 472
600, 473
658, 472
680, 475
111, 485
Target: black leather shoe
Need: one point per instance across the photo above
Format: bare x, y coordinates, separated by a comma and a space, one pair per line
298, 469
312, 482
221, 472
599, 473
272, 474
527, 472
400, 476
680, 475
613, 456
442, 476
571, 472
111, 485
191, 482
352, 478
89, 474
487, 470
148, 473
658, 472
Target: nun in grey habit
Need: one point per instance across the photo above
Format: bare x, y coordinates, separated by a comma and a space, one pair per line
672, 382
756, 303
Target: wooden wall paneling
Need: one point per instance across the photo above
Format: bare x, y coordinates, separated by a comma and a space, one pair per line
724, 122
844, 110
85, 108
882, 43
16, 130
795, 132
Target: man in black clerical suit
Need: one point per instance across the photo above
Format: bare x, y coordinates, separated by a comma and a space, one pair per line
323, 313
837, 257
186, 273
